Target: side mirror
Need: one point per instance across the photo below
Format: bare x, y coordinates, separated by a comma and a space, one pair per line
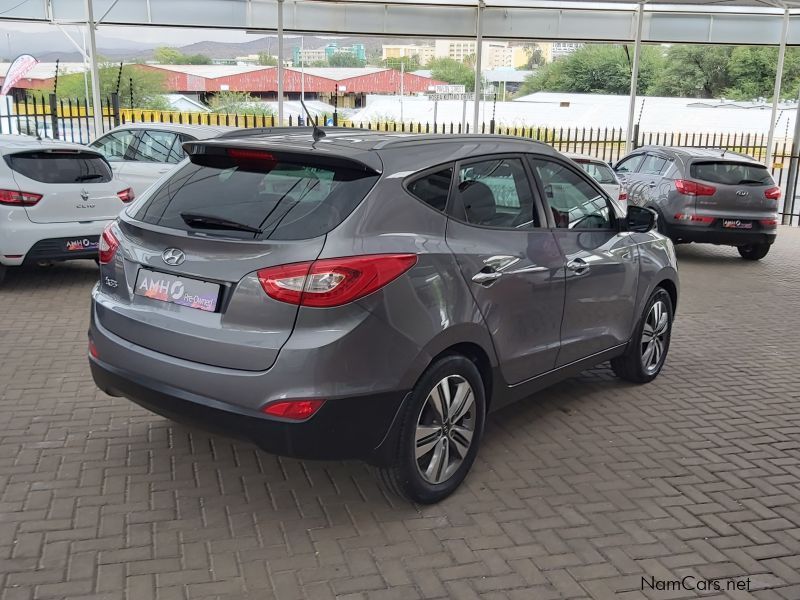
640, 219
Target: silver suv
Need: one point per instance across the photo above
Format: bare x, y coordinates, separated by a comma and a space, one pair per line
371, 296
707, 196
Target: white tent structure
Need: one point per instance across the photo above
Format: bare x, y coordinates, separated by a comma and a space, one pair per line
735, 22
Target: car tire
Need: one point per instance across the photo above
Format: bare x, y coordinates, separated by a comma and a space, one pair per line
434, 455
647, 351
3, 270
753, 251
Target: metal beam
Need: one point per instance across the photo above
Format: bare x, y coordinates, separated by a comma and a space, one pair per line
778, 81
629, 141
280, 63
97, 104
478, 56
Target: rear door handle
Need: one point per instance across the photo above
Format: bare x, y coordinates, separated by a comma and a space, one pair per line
578, 266
486, 278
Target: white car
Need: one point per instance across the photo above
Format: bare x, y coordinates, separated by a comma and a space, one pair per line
142, 153
55, 200
603, 174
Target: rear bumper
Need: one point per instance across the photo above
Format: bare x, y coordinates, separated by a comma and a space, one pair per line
71, 248
22, 241
717, 235
344, 428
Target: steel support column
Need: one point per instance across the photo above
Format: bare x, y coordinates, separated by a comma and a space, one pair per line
478, 57
778, 81
97, 103
280, 63
637, 48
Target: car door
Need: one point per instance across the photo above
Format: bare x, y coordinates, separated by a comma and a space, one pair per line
512, 265
627, 173
153, 154
601, 263
651, 175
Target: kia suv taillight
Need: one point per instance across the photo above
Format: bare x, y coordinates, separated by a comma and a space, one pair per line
126, 195
17, 198
108, 245
693, 188
333, 281
773, 193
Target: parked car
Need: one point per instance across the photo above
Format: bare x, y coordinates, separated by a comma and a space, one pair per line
706, 196
142, 153
372, 295
55, 200
603, 174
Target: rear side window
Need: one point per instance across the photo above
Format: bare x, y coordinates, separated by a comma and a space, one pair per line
61, 167
731, 173
598, 171
284, 201
433, 188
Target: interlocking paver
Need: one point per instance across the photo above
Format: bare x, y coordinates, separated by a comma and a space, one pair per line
577, 493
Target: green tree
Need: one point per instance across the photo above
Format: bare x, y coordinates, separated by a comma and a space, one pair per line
148, 86
170, 56
229, 102
345, 59
596, 69
267, 60
695, 72
408, 63
453, 72
752, 73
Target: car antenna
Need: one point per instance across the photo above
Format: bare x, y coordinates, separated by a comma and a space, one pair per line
724, 150
316, 133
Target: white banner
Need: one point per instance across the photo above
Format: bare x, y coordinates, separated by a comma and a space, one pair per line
18, 69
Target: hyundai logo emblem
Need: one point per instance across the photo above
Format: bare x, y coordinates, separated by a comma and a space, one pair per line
742, 193
173, 256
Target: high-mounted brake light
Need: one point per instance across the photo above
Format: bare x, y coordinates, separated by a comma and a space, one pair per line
333, 281
126, 195
108, 245
17, 198
693, 188
295, 410
249, 154
773, 193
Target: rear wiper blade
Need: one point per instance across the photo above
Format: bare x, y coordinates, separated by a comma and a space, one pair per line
212, 222
89, 177
748, 181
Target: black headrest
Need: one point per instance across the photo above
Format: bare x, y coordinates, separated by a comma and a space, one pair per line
479, 202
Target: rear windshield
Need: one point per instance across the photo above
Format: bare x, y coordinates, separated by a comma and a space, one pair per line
288, 201
731, 173
61, 167
600, 172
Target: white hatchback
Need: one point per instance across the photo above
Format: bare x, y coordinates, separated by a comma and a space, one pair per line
55, 200
603, 174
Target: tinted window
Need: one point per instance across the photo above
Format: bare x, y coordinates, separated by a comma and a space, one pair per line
157, 146
433, 188
287, 201
731, 173
654, 165
629, 165
58, 167
496, 193
114, 145
574, 202
598, 171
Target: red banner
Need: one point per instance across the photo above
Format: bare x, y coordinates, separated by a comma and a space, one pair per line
18, 69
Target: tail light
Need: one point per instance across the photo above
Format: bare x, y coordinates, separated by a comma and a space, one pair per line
769, 223
333, 281
694, 218
692, 188
623, 196
17, 198
93, 349
126, 195
773, 193
294, 410
108, 245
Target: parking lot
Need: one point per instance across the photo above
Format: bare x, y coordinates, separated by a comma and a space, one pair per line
579, 492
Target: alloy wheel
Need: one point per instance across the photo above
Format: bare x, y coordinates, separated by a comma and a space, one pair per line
445, 429
654, 337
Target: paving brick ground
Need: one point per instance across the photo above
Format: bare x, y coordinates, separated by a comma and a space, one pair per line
578, 492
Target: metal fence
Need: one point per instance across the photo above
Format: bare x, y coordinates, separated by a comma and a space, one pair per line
72, 120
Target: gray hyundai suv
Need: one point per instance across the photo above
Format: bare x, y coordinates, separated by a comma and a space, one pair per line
705, 195
371, 295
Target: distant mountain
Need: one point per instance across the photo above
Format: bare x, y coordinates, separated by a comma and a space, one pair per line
47, 46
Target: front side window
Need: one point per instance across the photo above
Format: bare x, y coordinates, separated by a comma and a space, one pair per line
156, 146
114, 146
598, 171
574, 202
630, 165
654, 165
433, 188
496, 193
